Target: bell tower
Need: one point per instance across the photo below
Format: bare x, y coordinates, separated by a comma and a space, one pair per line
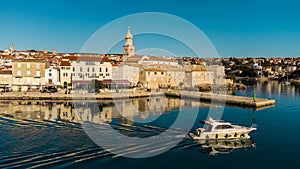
128, 48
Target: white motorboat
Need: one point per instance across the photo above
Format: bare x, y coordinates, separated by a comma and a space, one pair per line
218, 129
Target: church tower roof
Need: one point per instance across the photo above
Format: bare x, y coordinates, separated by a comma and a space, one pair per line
128, 34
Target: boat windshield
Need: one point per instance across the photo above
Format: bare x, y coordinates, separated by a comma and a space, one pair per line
208, 128
223, 127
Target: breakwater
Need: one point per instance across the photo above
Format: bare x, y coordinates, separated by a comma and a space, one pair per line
227, 99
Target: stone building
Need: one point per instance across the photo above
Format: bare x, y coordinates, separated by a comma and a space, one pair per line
65, 73
5, 80
28, 74
83, 69
126, 72
152, 78
52, 76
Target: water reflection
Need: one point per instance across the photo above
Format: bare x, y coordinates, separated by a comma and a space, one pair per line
271, 88
214, 147
126, 111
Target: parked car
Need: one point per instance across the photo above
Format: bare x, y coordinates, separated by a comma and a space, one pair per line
49, 89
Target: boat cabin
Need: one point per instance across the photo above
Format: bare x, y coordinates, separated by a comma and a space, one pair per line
211, 126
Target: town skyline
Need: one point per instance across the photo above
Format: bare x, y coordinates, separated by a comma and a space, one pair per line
120, 53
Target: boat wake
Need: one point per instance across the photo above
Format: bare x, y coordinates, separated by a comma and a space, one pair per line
30, 143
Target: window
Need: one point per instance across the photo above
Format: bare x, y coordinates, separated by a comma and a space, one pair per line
93, 69
106, 69
80, 69
88, 69
50, 74
68, 68
73, 69
77, 61
227, 127
155, 73
28, 73
38, 73
162, 73
101, 74
223, 127
100, 69
148, 73
89, 62
107, 74
63, 68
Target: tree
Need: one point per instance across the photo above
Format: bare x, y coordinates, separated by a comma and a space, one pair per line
296, 73
96, 84
231, 76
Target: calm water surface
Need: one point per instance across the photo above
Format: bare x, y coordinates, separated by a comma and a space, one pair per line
48, 134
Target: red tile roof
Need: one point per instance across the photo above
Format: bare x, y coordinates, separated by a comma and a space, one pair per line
6, 72
65, 63
89, 58
8, 67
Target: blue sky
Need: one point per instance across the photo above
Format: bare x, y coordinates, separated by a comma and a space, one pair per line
235, 27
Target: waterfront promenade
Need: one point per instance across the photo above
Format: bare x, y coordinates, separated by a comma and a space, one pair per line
77, 95
108, 95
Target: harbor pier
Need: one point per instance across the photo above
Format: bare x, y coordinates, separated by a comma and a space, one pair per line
227, 99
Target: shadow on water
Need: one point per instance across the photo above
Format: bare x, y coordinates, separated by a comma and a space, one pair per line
214, 147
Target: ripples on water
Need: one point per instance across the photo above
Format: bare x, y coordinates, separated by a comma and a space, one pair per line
38, 142
48, 136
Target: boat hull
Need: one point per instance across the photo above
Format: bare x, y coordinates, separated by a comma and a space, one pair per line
221, 136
